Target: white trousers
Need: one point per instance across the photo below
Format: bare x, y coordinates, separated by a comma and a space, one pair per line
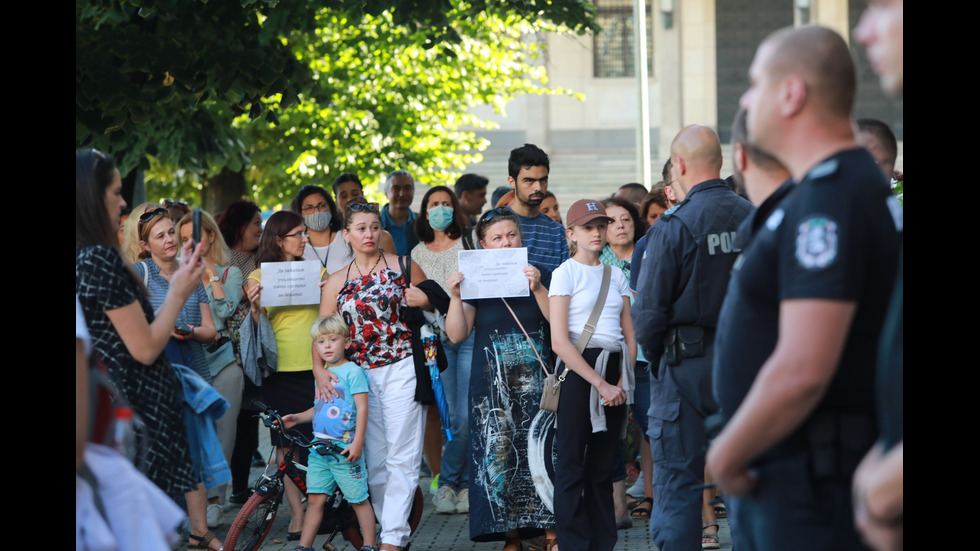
393, 447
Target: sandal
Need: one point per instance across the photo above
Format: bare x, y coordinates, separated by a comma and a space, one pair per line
721, 511
710, 541
203, 542
550, 544
642, 508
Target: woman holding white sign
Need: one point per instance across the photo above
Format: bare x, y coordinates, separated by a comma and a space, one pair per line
592, 333
372, 295
511, 438
291, 387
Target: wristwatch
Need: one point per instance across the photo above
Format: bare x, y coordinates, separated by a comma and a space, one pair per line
215, 278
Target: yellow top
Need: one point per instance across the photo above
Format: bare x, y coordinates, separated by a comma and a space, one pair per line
291, 325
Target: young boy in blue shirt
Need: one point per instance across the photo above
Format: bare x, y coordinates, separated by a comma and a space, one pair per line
341, 422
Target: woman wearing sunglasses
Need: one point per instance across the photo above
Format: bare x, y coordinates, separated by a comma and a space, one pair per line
372, 296
158, 262
129, 335
291, 387
509, 434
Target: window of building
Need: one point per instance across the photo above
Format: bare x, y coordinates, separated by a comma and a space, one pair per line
614, 46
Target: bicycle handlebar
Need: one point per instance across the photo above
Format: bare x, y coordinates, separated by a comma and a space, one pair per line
275, 423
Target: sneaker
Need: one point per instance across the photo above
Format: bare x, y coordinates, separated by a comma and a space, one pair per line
463, 501
636, 490
214, 515
369, 548
434, 487
445, 500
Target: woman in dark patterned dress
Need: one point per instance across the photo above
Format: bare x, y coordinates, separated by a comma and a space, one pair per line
129, 338
511, 438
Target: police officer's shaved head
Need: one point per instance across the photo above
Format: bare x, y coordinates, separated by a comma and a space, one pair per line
697, 144
819, 56
695, 155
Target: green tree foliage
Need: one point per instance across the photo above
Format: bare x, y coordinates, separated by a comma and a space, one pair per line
390, 102
296, 91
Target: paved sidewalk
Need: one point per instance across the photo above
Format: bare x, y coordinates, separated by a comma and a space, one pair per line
436, 532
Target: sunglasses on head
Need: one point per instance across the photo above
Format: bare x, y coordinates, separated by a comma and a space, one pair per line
503, 211
363, 207
150, 215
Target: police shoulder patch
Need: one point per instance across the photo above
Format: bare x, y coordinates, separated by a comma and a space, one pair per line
816, 242
670, 212
824, 169
775, 219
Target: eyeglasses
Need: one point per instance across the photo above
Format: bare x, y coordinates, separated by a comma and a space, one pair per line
503, 211
302, 234
150, 215
174, 202
321, 206
363, 207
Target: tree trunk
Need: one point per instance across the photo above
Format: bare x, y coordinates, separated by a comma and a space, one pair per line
223, 189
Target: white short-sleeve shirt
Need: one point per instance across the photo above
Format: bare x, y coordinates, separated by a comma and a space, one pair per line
581, 283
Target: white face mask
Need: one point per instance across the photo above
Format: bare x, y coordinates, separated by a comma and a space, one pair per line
318, 221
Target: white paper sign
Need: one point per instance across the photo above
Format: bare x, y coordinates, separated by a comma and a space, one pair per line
491, 273
290, 283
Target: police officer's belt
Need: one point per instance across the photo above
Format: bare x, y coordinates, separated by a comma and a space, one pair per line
686, 341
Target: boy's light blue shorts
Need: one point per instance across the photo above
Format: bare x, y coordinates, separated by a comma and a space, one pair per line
324, 473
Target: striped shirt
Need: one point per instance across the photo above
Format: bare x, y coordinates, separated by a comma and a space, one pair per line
545, 241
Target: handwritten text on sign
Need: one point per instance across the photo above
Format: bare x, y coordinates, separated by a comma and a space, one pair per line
290, 283
491, 273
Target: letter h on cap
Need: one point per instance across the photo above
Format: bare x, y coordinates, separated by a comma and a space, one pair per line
591, 206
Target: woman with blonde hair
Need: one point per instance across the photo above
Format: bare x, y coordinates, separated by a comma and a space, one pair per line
158, 262
130, 243
592, 333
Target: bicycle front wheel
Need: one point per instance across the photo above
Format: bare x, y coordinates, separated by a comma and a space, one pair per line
253, 523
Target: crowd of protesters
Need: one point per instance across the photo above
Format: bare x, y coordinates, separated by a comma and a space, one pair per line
752, 327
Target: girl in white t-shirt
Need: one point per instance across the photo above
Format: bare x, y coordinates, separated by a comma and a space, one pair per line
592, 406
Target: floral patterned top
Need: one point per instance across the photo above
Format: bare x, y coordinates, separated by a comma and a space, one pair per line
371, 306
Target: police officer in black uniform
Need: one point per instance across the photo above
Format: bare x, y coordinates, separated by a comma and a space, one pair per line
796, 345
689, 254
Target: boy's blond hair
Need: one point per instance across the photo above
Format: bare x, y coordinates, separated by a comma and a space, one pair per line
330, 325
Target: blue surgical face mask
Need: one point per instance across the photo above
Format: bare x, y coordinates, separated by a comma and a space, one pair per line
318, 221
440, 217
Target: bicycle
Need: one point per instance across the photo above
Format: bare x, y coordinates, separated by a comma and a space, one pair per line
253, 522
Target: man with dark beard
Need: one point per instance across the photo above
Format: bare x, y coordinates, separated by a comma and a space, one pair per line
528, 169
